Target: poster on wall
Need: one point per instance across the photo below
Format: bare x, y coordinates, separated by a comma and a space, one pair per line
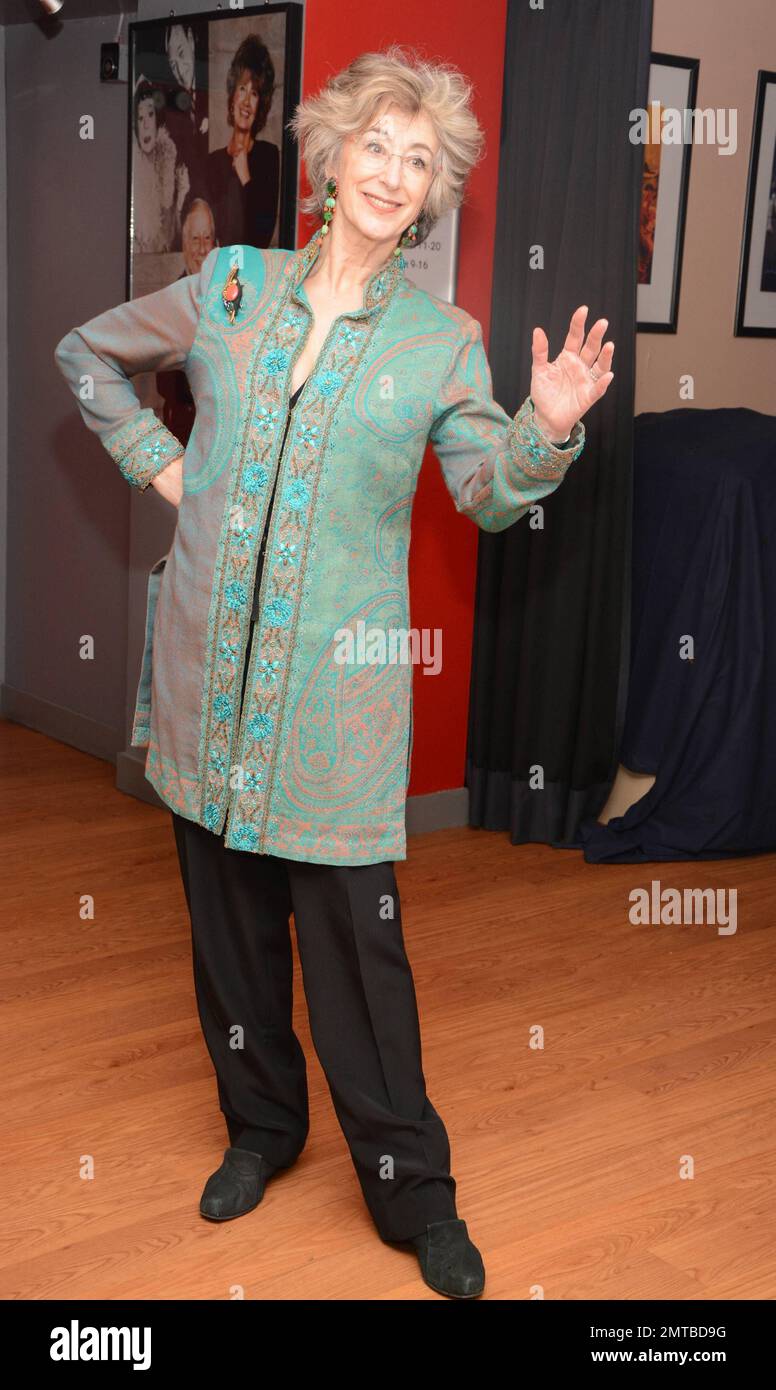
673, 83
211, 161
756, 301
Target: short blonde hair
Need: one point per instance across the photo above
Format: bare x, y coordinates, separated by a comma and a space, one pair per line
350, 101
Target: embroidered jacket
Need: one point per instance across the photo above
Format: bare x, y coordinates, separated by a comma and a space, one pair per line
314, 764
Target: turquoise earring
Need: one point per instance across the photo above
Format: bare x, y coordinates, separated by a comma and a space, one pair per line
408, 238
329, 205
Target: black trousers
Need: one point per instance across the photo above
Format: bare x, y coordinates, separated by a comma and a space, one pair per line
362, 1009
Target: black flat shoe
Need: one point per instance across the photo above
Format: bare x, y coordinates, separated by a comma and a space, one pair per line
449, 1262
237, 1186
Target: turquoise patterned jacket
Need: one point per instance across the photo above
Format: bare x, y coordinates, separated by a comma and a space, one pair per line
315, 764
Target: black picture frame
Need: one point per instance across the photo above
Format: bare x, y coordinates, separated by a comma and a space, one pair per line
669, 321
762, 167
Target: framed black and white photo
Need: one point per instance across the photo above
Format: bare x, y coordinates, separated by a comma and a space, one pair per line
673, 84
756, 300
211, 162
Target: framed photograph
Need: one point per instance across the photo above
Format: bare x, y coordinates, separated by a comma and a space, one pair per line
673, 84
211, 162
756, 301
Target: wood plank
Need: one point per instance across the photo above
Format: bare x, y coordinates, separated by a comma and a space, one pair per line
659, 1042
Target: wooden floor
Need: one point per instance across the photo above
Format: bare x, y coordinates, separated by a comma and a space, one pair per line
659, 1048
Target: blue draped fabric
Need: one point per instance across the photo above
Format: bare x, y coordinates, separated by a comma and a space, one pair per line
702, 720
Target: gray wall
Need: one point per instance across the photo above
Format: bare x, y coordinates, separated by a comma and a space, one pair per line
68, 507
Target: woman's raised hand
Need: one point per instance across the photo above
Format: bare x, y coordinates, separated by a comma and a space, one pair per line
563, 390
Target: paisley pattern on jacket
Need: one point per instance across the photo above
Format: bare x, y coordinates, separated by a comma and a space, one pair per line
314, 763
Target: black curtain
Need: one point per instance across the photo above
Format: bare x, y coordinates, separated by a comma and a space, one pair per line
552, 622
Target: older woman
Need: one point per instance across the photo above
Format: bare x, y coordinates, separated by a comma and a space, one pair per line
243, 178
319, 376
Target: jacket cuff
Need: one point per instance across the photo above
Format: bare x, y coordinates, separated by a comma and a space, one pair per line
534, 453
142, 447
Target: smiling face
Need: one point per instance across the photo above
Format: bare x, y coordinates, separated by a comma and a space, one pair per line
197, 236
245, 102
146, 125
180, 54
381, 198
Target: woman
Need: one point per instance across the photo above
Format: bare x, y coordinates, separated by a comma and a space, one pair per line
244, 176
161, 182
319, 376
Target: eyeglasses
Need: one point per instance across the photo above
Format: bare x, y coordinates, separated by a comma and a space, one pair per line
375, 154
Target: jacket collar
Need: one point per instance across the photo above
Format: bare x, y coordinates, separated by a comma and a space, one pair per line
379, 287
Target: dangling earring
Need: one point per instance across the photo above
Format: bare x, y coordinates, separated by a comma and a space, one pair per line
408, 239
329, 205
